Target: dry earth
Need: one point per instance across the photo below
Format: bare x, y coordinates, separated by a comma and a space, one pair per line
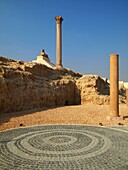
80, 114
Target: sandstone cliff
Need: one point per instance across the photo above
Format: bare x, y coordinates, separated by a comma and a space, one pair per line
26, 86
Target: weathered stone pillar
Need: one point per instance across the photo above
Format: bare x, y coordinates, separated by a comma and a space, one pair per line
114, 85
59, 20
127, 97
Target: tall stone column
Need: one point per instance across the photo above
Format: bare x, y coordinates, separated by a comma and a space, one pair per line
59, 20
114, 85
127, 97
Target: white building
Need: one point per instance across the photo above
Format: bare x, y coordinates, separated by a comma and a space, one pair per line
43, 58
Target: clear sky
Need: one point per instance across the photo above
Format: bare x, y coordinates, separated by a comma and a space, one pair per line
92, 29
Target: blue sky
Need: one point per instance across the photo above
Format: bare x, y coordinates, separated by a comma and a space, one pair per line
92, 29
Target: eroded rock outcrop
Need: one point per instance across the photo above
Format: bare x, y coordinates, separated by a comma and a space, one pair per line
93, 90
26, 86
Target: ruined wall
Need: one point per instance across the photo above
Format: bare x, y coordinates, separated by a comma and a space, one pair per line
95, 90
26, 86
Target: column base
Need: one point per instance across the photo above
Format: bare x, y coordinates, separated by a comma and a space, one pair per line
59, 66
109, 118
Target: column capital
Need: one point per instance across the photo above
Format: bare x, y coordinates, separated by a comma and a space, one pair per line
114, 55
58, 19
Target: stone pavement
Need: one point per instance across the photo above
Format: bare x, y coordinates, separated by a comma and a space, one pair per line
64, 147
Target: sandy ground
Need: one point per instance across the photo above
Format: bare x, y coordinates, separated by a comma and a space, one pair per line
81, 114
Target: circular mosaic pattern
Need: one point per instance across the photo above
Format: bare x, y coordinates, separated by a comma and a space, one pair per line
64, 147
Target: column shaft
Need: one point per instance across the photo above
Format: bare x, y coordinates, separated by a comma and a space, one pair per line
114, 86
58, 45
59, 20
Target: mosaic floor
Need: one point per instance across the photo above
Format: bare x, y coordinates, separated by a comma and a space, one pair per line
64, 147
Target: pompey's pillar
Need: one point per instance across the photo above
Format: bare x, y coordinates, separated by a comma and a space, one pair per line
59, 20
114, 86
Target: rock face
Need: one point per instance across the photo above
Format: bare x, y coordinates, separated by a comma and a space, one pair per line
93, 90
26, 86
